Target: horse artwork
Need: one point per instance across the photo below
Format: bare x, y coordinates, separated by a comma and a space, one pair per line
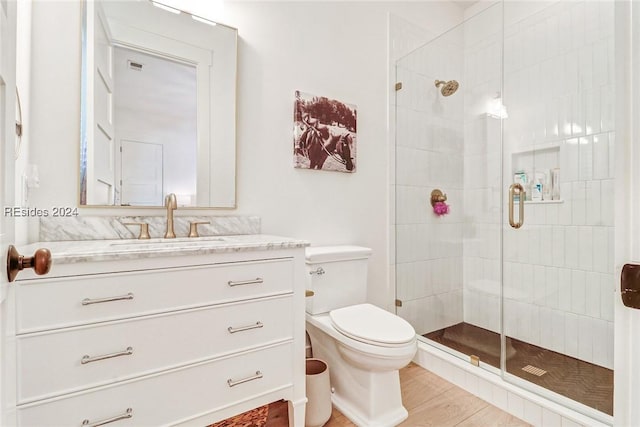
324, 134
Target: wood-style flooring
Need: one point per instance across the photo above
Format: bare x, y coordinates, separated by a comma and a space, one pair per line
430, 400
584, 382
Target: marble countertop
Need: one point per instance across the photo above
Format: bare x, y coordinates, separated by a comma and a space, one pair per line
69, 252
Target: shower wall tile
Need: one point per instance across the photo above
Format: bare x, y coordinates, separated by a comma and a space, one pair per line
607, 190
601, 156
607, 295
558, 269
515, 405
593, 295
585, 338
600, 342
550, 418
593, 198
578, 292
585, 248
429, 155
571, 334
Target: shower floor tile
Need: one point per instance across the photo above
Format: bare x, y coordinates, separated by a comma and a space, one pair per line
581, 381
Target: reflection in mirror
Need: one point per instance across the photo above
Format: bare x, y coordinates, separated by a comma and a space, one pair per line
154, 120
158, 108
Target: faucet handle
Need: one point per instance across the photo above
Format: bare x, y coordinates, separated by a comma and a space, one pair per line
144, 229
193, 227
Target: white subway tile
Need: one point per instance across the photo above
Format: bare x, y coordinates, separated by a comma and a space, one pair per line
606, 106
609, 346
485, 390
515, 405
591, 22
550, 418
499, 397
592, 111
564, 289
601, 156
577, 25
612, 155
607, 190
600, 77
552, 214
593, 196
600, 341
571, 247
569, 160
585, 248
552, 281
571, 334
593, 289
577, 113
578, 203
586, 158
539, 286
532, 413
534, 245
558, 246
578, 292
607, 296
546, 325
585, 69
558, 331
546, 245
600, 249
566, 422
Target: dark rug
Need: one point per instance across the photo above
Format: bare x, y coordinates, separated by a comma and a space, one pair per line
254, 418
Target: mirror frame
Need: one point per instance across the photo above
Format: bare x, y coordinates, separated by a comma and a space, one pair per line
164, 34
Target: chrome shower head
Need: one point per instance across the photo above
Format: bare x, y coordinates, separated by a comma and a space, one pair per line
449, 87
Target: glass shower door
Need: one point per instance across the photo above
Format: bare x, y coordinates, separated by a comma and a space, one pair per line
558, 145
448, 140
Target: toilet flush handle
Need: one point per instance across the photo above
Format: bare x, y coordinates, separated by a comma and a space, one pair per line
319, 271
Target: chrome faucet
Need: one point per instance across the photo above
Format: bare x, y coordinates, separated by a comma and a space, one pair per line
171, 204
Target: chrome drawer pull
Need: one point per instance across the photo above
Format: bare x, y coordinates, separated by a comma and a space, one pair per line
128, 414
319, 271
233, 383
245, 282
88, 359
88, 301
233, 330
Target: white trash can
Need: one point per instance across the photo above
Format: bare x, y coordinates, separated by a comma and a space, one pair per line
318, 409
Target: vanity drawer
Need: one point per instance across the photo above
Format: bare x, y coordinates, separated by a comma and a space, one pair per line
61, 302
171, 397
51, 363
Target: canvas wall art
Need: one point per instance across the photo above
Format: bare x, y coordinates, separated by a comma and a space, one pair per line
324, 134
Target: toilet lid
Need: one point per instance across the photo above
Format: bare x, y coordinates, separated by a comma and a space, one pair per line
370, 324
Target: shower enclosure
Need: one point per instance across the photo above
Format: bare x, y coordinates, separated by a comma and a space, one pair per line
510, 116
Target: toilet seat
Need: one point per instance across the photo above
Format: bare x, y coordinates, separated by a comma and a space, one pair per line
372, 325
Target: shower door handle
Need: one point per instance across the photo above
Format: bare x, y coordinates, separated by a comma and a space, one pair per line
519, 190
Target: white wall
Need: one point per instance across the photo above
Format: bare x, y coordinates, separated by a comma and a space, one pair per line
334, 49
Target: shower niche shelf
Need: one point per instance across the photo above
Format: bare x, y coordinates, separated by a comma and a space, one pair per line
540, 159
543, 202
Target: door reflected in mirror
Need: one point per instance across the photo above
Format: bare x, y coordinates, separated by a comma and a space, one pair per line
158, 107
155, 127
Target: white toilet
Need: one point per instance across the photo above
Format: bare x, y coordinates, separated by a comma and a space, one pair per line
363, 345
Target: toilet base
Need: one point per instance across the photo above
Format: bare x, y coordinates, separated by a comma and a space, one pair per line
367, 398
389, 419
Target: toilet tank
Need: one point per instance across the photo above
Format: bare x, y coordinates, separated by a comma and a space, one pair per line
337, 275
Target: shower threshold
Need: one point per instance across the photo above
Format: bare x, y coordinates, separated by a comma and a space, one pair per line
584, 382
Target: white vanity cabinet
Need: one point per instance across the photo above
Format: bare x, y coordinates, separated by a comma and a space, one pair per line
161, 340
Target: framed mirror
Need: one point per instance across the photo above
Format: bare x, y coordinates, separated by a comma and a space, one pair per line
158, 107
